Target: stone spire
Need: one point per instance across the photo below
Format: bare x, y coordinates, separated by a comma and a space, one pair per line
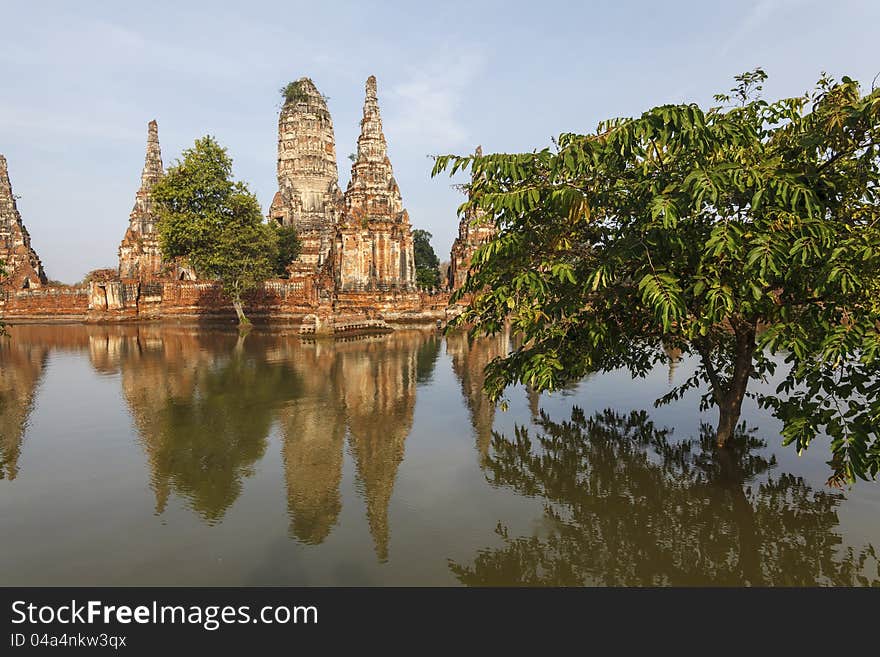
373, 192
139, 253
23, 267
375, 250
308, 179
152, 173
143, 218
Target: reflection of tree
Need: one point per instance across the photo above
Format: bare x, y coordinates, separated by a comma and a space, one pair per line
204, 410
21, 368
426, 357
625, 506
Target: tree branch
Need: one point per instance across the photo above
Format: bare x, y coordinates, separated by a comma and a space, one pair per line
717, 388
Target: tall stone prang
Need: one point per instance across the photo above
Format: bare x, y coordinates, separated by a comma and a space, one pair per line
23, 268
308, 196
374, 246
473, 231
139, 253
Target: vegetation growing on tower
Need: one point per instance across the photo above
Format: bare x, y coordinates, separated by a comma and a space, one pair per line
293, 92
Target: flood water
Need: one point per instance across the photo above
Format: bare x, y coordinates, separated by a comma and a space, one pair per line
174, 455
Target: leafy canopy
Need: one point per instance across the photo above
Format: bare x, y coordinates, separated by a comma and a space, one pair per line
427, 262
289, 247
214, 222
734, 233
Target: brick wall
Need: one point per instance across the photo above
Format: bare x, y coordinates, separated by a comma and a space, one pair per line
47, 303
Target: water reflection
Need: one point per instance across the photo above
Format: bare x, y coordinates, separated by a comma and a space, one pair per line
620, 501
19, 377
469, 359
625, 506
313, 427
367, 390
203, 404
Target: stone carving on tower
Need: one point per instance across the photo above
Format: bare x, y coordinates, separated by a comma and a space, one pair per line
308, 196
473, 231
23, 268
139, 253
374, 246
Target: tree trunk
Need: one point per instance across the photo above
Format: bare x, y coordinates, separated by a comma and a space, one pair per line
730, 404
728, 417
243, 322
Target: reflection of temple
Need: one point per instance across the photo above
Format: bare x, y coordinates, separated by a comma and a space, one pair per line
204, 407
21, 368
204, 403
313, 430
469, 359
364, 388
379, 389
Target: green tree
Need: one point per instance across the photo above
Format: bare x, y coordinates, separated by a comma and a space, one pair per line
289, 247
427, 262
734, 233
215, 223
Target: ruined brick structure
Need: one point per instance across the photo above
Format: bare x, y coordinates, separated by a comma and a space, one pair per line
308, 196
473, 231
374, 248
139, 254
364, 236
23, 268
356, 271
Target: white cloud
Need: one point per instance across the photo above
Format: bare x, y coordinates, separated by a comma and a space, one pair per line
757, 17
424, 109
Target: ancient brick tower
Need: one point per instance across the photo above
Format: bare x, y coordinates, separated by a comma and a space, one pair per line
308, 181
23, 267
473, 230
139, 253
374, 246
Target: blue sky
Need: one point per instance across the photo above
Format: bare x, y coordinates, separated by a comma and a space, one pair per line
80, 81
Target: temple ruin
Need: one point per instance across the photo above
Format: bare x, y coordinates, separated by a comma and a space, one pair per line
355, 272
308, 196
21, 263
374, 244
473, 231
139, 254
